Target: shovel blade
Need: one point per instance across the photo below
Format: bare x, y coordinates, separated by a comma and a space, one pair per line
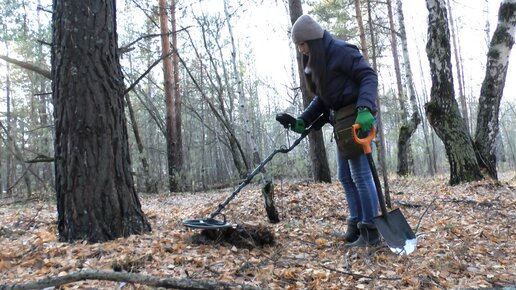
396, 232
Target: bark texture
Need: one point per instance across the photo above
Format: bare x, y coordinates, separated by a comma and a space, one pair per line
443, 111
492, 87
96, 198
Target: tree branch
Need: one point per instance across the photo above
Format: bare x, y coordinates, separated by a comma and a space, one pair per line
155, 63
29, 66
148, 280
41, 158
359, 275
128, 46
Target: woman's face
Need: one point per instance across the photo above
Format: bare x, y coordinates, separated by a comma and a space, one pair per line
303, 48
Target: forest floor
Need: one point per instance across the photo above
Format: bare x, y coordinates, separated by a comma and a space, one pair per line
466, 239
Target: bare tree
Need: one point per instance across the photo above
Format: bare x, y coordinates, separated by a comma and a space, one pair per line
409, 125
442, 110
267, 185
219, 102
458, 67
177, 145
487, 130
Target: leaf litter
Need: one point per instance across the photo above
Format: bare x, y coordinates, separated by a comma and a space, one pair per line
465, 240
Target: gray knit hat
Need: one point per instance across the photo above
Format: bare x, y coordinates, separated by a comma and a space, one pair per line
305, 28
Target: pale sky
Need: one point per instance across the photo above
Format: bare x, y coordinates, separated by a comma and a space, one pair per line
471, 21
266, 27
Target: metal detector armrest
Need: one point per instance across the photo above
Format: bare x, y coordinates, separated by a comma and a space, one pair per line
319, 122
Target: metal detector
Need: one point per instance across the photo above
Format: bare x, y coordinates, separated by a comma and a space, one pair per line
287, 121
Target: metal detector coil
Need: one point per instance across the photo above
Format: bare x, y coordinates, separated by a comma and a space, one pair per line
207, 223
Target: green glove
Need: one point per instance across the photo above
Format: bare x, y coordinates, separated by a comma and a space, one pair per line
365, 119
298, 126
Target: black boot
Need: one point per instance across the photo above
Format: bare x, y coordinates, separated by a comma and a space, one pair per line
352, 232
369, 236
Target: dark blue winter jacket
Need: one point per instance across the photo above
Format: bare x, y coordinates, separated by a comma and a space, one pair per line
349, 80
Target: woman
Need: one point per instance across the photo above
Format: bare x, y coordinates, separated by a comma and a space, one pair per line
344, 85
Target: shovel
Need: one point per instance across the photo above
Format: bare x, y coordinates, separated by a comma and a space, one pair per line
393, 226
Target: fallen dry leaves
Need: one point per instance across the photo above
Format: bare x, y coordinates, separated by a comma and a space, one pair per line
465, 240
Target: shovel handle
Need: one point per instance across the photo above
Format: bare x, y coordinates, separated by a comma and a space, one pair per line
366, 141
366, 145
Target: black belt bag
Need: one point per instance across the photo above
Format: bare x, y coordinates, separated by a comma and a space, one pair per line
344, 118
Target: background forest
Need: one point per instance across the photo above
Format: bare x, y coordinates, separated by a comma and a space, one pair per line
189, 91
236, 72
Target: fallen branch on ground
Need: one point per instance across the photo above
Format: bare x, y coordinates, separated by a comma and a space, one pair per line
359, 276
148, 280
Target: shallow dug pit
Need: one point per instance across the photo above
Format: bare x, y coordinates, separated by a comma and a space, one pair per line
242, 236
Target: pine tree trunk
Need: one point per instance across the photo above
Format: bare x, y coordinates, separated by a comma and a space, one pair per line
492, 87
96, 198
442, 110
170, 108
177, 145
360, 22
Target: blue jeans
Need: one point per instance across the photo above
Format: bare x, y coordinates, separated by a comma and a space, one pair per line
356, 178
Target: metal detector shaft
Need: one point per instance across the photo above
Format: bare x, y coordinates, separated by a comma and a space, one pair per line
250, 176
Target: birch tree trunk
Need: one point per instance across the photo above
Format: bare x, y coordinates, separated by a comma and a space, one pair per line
9, 165
267, 185
487, 27
381, 148
1, 170
492, 87
407, 129
429, 137
458, 67
396, 60
442, 110
320, 167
